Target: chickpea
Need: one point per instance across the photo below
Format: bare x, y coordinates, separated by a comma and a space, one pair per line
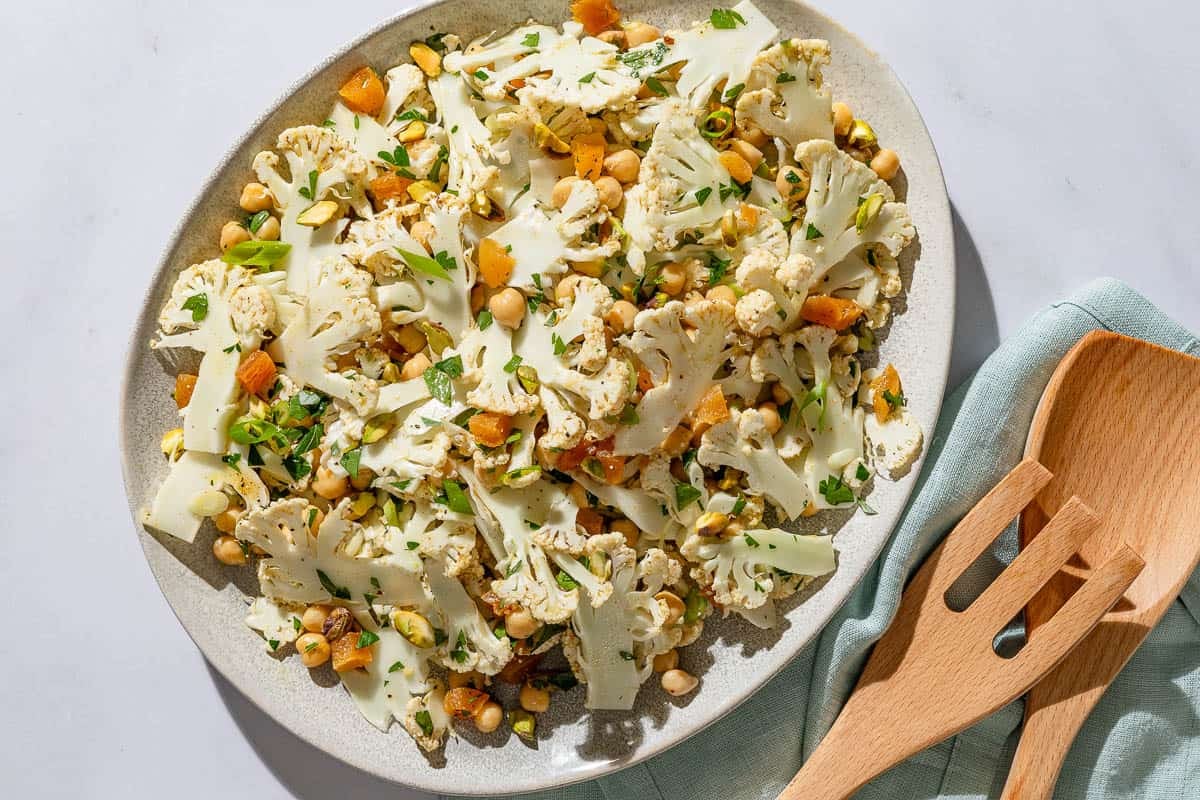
722, 294
229, 551
578, 495
792, 183
313, 649
753, 136
664, 662
843, 119
564, 290
674, 276
616, 38
227, 520
328, 485
676, 441
747, 151
489, 717
422, 231
508, 307
640, 33
410, 338
478, 297
414, 368
561, 191
621, 316
255, 197
269, 230
533, 699
779, 394
770, 417
623, 165
628, 529
693, 299
597, 125
233, 234
610, 191
677, 682
362, 479
886, 164
458, 679
520, 624
738, 168
593, 269
313, 618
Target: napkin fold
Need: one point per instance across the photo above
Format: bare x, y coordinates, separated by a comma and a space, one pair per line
1143, 739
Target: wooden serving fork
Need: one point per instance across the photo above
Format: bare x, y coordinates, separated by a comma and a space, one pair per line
934, 672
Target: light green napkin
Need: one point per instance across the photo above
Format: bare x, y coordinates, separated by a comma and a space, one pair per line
1142, 741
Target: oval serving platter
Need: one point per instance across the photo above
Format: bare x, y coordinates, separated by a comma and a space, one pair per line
573, 744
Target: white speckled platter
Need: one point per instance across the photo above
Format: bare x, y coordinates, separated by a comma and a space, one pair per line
733, 658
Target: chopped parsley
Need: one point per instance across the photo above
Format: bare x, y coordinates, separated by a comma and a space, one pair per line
685, 495
811, 231
198, 305
424, 722
560, 346
894, 401
703, 194
512, 364
739, 506
397, 158
455, 498
785, 77
484, 320
531, 40
310, 192
587, 78
750, 540
459, 653
733, 92
425, 265
655, 85
396, 666
862, 473
232, 459
566, 582
835, 491
340, 592
366, 639
349, 461
726, 18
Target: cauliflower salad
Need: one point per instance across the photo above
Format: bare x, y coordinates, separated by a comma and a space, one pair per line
530, 345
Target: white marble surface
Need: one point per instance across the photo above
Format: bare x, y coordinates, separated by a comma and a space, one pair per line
1068, 150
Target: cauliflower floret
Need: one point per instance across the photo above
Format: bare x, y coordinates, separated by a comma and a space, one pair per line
405, 91
866, 277
322, 166
438, 533
682, 363
560, 533
274, 621
743, 442
219, 311
376, 243
338, 316
447, 302
584, 317
742, 571
472, 158
487, 358
470, 643
682, 185
542, 245
416, 450
713, 55
426, 720
830, 230
564, 428
302, 568
774, 291
569, 69
894, 444
382, 690
784, 96
194, 473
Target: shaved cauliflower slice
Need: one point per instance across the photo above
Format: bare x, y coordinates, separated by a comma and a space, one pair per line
192, 474
486, 356
448, 303
302, 568
638, 505
274, 621
785, 97
219, 311
425, 718
322, 166
682, 185
869, 277
742, 571
829, 232
682, 362
470, 642
712, 55
895, 444
569, 69
405, 90
472, 158
415, 450
743, 442
398, 674
337, 318
564, 427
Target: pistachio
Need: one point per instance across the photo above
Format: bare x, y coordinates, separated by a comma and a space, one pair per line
362, 503
522, 723
378, 426
172, 443
675, 606
208, 503
413, 627
426, 58
862, 134
337, 624
549, 140
391, 372
528, 378
729, 228
423, 191
259, 409
868, 209
436, 335
711, 523
317, 214
414, 131
481, 204
729, 479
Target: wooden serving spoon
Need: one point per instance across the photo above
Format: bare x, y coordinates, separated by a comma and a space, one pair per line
935, 672
1117, 426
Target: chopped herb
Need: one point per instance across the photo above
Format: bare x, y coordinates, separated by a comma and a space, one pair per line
685, 495
733, 92
695, 605
625, 655
251, 430
518, 473
717, 268
424, 722
640, 58
726, 18
340, 592
425, 265
255, 221
296, 624
484, 320
296, 466
513, 568
410, 114
349, 461
703, 194
835, 491
401, 486
274, 643
439, 637
895, 401
452, 366
811, 231
655, 85
587, 78
862, 473
397, 158
628, 416
560, 346
816, 395
456, 498
235, 347
512, 364
866, 509
531, 40
463, 417
308, 648
459, 653
232, 459
198, 305
310, 440
412, 545
396, 667
785, 77
310, 192
739, 506
688, 456
750, 540
480, 75
438, 383
566, 582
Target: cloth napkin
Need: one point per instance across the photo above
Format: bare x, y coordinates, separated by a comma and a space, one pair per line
1143, 739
